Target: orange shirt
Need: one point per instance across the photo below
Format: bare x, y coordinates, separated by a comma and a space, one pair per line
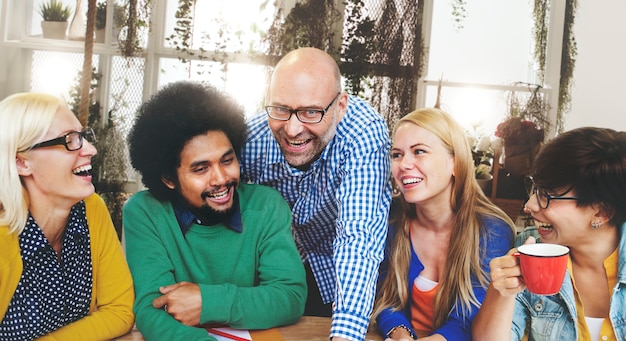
422, 308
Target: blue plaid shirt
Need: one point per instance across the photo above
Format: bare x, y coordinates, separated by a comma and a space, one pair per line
340, 207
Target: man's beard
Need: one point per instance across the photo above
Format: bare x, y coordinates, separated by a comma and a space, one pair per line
210, 216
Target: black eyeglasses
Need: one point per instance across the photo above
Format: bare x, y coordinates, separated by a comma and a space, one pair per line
305, 115
543, 198
72, 140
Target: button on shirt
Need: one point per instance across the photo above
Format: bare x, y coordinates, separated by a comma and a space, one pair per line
50, 294
340, 207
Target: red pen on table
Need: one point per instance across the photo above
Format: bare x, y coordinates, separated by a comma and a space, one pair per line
226, 335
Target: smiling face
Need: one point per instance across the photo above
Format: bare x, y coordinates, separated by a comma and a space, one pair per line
208, 174
563, 222
308, 80
53, 173
422, 167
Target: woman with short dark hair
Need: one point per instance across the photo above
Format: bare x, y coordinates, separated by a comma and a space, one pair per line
577, 199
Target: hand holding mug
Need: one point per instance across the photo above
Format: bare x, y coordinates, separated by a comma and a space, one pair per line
506, 272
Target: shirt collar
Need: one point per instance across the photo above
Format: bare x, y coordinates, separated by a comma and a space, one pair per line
185, 217
76, 233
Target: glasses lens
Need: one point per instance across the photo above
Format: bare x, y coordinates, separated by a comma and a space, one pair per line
89, 135
542, 197
278, 113
310, 115
73, 140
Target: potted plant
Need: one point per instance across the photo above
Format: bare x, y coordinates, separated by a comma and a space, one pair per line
524, 129
55, 15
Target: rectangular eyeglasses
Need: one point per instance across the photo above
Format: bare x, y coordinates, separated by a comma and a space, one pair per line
305, 115
543, 198
72, 140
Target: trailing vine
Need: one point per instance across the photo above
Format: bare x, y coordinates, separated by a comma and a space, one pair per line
182, 37
568, 61
459, 13
357, 47
137, 21
529, 105
307, 24
540, 33
568, 53
381, 56
397, 59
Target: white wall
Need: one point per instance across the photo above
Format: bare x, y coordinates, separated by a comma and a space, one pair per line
599, 92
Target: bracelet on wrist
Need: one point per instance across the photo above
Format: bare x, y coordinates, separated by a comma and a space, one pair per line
401, 327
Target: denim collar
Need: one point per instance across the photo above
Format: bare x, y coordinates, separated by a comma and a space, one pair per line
185, 217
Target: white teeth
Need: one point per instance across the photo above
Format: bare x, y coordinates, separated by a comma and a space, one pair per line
297, 143
411, 181
220, 194
543, 226
81, 169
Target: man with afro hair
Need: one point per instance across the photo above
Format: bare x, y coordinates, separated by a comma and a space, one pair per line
204, 248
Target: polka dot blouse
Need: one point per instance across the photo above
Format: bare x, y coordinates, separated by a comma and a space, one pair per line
50, 294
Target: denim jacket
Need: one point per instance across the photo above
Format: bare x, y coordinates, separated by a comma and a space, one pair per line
554, 317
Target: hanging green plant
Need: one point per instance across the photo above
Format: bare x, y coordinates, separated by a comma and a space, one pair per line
137, 20
459, 13
182, 38
358, 46
568, 62
308, 24
541, 17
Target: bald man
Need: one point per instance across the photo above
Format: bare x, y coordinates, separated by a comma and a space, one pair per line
328, 154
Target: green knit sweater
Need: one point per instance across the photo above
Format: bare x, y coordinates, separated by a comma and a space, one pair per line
249, 280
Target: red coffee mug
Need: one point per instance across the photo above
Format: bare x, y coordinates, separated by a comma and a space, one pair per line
543, 267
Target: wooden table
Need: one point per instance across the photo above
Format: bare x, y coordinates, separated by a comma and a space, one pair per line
308, 328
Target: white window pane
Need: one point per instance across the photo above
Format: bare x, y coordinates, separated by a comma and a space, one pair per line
57, 72
480, 109
493, 46
225, 25
245, 82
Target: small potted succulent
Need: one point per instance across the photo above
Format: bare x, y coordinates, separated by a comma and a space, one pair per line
55, 15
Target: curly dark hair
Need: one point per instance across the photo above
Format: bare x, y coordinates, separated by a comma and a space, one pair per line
169, 119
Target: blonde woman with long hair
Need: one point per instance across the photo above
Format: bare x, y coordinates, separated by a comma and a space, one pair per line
442, 235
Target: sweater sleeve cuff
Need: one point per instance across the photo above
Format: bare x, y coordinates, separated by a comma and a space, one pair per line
212, 309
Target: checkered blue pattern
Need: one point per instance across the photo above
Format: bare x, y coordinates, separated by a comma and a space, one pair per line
340, 208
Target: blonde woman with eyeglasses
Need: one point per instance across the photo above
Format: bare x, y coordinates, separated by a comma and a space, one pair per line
63, 275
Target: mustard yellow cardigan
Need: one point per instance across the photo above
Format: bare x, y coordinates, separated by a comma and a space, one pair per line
110, 314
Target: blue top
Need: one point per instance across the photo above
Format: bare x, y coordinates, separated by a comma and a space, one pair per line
340, 207
498, 241
555, 317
